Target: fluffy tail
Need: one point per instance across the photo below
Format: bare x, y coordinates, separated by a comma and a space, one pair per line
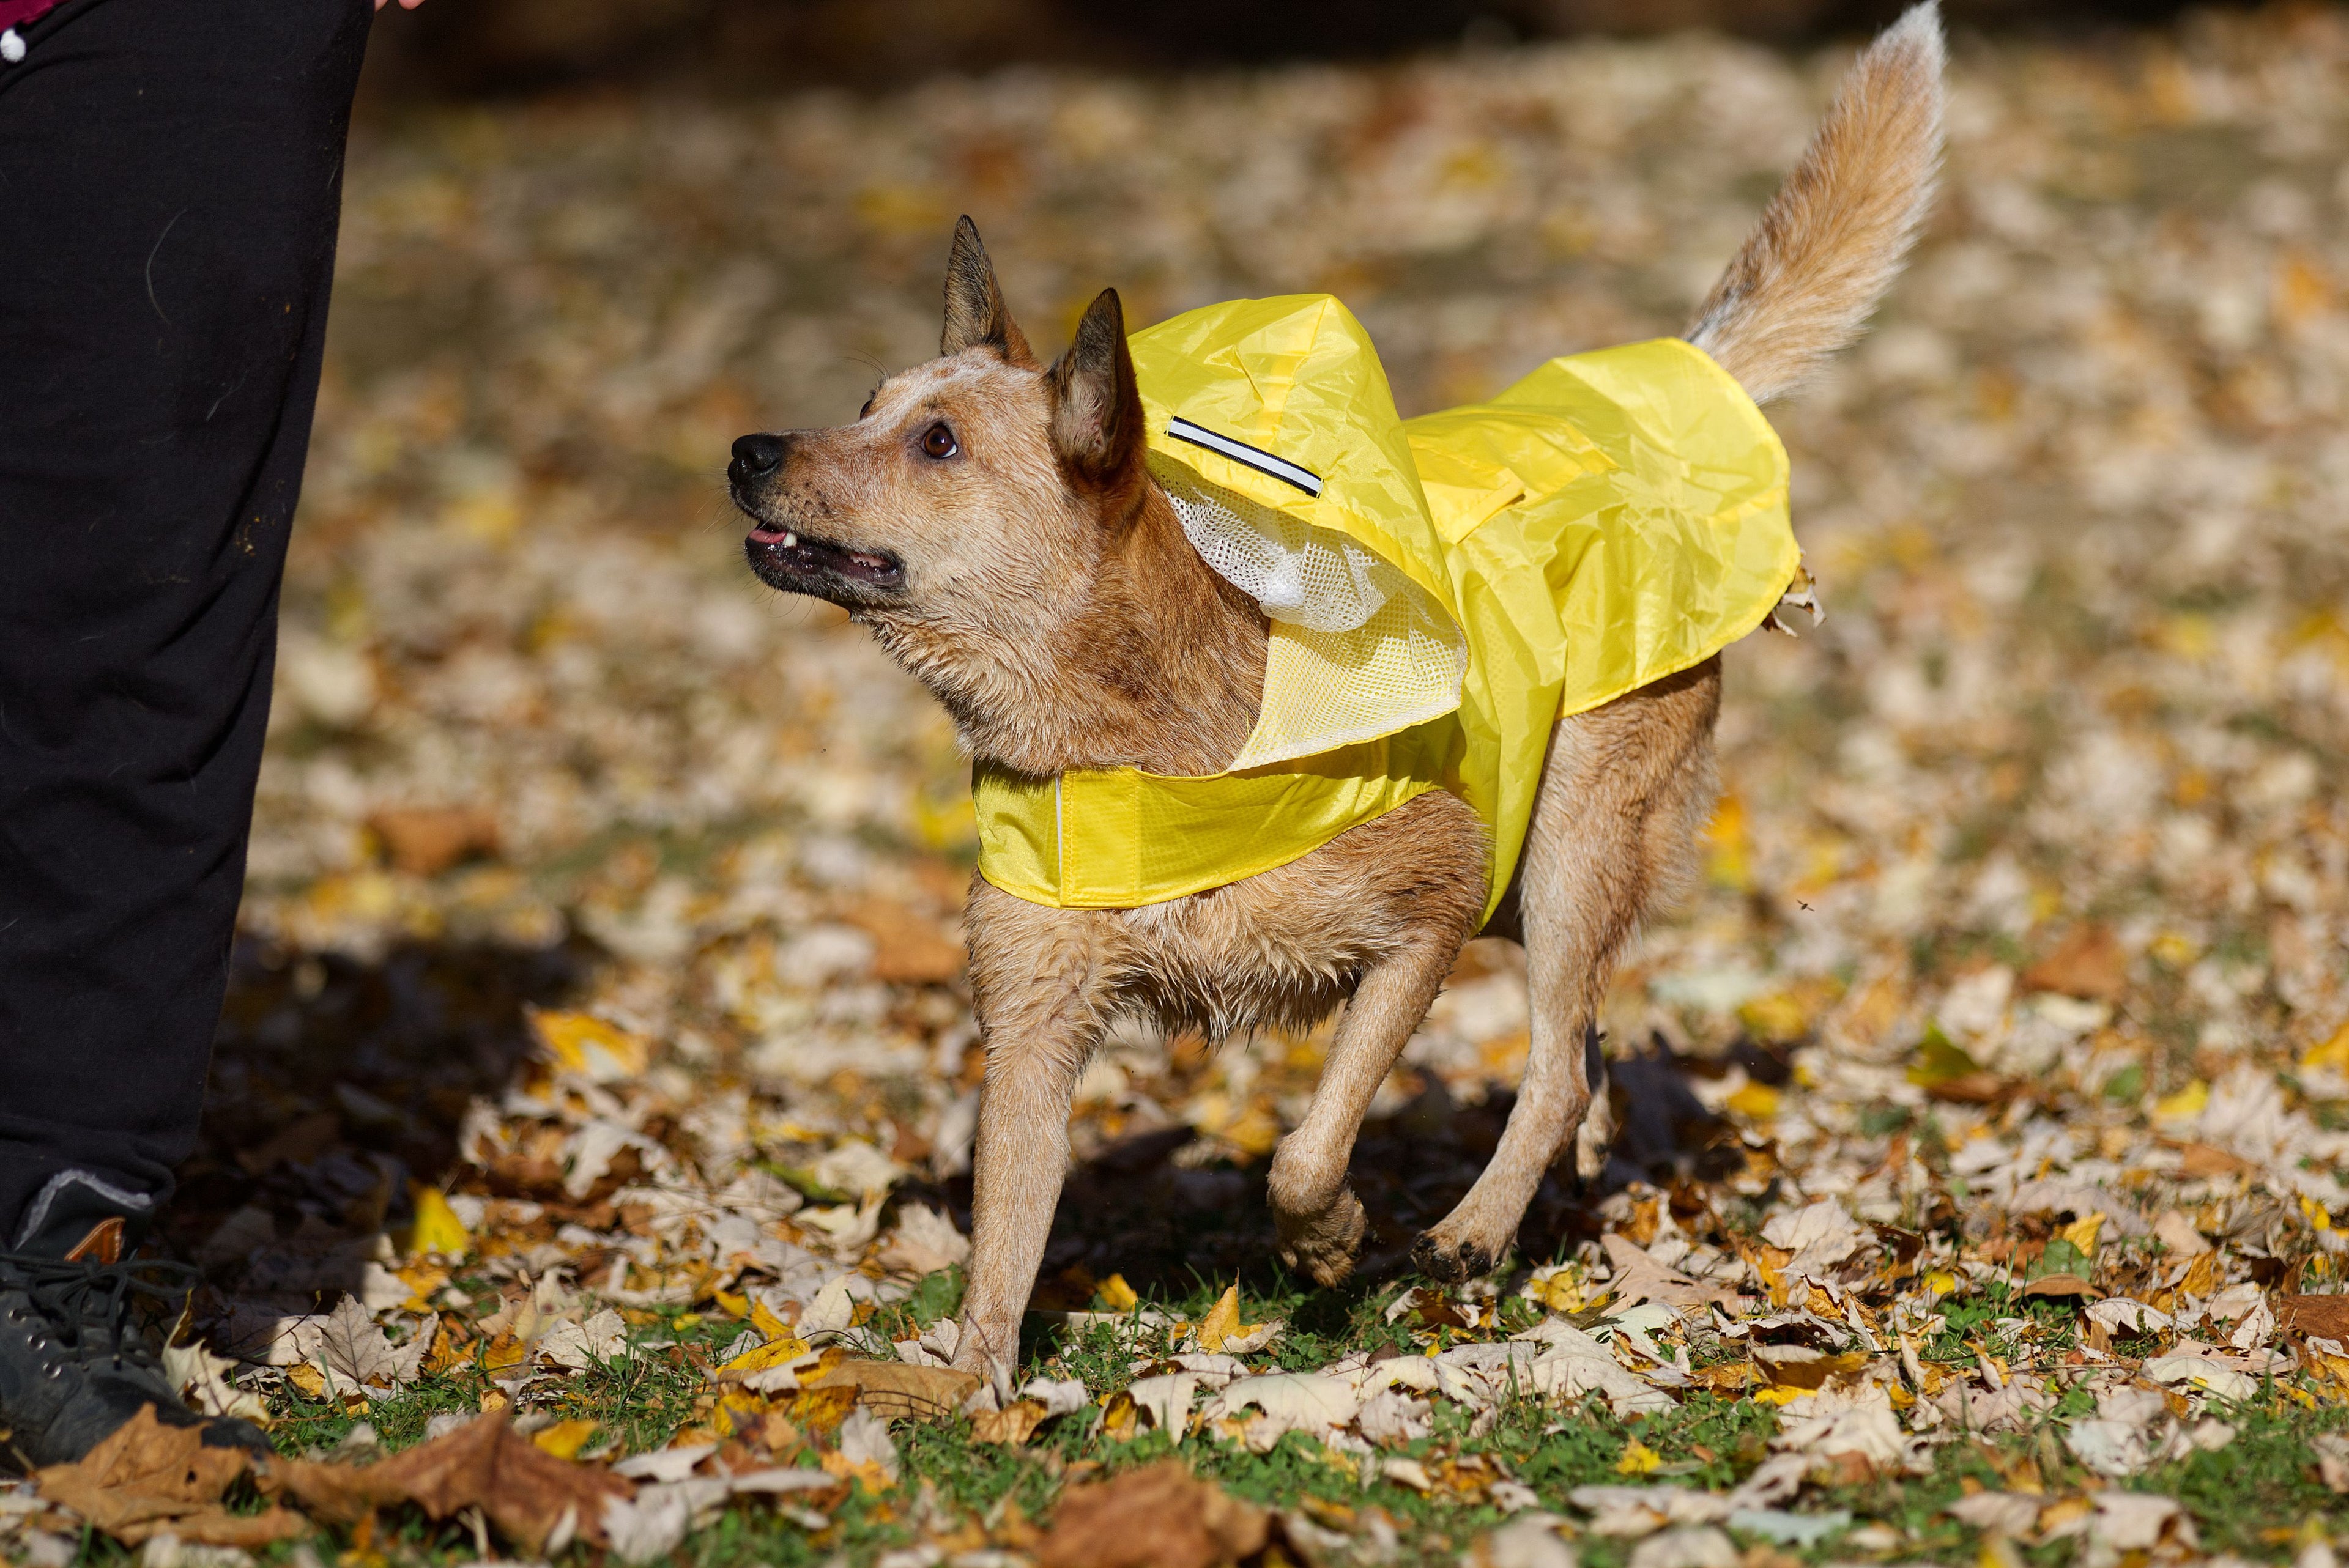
1833, 237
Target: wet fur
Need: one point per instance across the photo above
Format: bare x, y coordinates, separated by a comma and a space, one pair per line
1051, 602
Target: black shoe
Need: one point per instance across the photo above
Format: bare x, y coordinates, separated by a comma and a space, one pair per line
74, 1363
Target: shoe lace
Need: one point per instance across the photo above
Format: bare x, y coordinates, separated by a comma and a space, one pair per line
88, 1305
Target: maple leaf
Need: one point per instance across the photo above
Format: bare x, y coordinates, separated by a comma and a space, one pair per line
354, 1349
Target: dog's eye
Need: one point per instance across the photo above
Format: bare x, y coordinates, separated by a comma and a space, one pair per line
940, 442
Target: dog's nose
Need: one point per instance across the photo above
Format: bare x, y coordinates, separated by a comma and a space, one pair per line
755, 457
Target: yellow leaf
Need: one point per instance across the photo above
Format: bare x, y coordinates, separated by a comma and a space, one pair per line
1223, 1322
2334, 1053
437, 1228
2183, 1106
565, 1438
1940, 1061
729, 1304
308, 1379
1562, 1292
1730, 864
504, 1351
1779, 1018
767, 1324
423, 1281
1638, 1458
778, 1352
1755, 1102
1940, 1282
1116, 1295
2082, 1233
588, 1045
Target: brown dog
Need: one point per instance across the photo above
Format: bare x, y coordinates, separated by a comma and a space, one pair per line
992, 522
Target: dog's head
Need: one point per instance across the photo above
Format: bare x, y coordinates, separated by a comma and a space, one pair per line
970, 498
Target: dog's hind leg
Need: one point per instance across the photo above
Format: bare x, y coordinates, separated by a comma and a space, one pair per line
1623, 791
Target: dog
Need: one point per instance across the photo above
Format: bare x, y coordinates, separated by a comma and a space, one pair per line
991, 521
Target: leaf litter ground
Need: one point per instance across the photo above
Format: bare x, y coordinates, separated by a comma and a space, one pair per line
587, 1167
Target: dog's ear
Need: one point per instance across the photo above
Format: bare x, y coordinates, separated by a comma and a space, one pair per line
975, 314
1097, 422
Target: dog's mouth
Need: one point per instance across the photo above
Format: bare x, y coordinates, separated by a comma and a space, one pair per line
785, 558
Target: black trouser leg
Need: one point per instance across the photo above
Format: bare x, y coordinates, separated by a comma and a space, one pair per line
171, 176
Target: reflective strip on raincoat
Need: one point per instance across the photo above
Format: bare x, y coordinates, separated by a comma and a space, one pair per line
1612, 519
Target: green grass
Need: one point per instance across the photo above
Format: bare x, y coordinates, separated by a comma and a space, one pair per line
2254, 1497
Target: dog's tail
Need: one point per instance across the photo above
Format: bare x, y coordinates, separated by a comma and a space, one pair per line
1833, 237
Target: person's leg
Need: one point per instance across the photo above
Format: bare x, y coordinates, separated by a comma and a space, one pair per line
169, 182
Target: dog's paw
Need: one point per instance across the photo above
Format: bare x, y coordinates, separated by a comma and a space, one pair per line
1322, 1248
1449, 1262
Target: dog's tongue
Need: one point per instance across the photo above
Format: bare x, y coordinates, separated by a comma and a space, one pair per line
781, 536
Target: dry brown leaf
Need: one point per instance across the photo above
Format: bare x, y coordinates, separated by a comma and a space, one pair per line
1156, 1517
894, 1389
2198, 1160
147, 1478
425, 840
1639, 1277
2321, 1316
524, 1490
2067, 1285
2089, 963
1010, 1425
907, 948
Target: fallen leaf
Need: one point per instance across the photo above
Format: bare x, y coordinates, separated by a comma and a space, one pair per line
894, 1390
1011, 1426
907, 949
436, 1228
2088, 964
526, 1493
1222, 1322
588, 1046
147, 1478
565, 1438
2062, 1284
354, 1349
1639, 1277
925, 1241
2317, 1316
1156, 1517
2196, 1161
425, 840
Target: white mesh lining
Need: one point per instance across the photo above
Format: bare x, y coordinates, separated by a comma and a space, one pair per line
1357, 651
1295, 573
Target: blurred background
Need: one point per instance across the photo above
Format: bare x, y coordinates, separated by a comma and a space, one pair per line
2060, 777
509, 46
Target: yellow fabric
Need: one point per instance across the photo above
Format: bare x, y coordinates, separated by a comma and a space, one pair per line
1611, 519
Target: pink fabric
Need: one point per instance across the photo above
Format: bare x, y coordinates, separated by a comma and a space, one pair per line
15, 13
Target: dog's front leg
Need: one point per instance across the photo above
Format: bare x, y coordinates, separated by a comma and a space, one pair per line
1038, 980
1319, 1219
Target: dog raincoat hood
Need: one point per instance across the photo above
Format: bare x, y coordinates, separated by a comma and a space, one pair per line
1441, 591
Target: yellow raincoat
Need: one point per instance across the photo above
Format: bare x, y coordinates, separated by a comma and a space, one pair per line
1441, 591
